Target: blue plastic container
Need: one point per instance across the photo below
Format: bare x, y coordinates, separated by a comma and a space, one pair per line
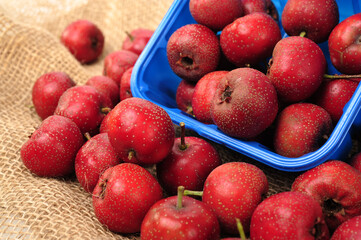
154, 80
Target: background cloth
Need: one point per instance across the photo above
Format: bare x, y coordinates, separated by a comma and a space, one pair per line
32, 207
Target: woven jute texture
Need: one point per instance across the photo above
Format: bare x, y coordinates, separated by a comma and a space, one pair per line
46, 208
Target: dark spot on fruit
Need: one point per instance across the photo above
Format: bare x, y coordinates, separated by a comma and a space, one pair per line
317, 229
358, 40
94, 42
331, 207
103, 186
186, 62
226, 95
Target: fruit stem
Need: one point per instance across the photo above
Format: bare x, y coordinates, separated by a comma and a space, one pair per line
105, 110
183, 145
193, 193
189, 110
240, 229
180, 196
131, 38
328, 76
303, 34
131, 154
87, 136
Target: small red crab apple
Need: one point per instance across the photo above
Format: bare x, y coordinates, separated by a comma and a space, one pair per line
140, 131
350, 229
106, 87
84, 40
233, 190
137, 39
92, 159
244, 104
51, 149
202, 95
301, 128
193, 50
85, 106
117, 63
184, 96
344, 45
124, 90
47, 90
250, 39
123, 196
296, 69
211, 13
188, 164
335, 185
277, 216
316, 20
180, 218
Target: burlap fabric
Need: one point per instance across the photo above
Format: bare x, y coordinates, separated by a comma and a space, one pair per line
40, 208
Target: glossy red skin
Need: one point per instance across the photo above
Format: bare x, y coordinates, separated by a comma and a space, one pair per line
250, 6
250, 39
83, 104
51, 149
297, 68
316, 18
116, 63
125, 90
143, 127
47, 90
300, 129
196, 42
92, 159
84, 40
288, 215
104, 125
344, 45
123, 196
233, 190
333, 96
350, 229
203, 94
334, 180
194, 221
184, 96
355, 161
106, 86
251, 106
215, 14
140, 38
189, 167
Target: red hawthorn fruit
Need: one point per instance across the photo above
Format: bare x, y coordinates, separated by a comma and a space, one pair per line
51, 149
193, 50
47, 90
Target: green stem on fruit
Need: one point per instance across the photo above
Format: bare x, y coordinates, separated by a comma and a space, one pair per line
183, 145
131, 154
189, 110
130, 36
180, 197
87, 136
105, 110
240, 229
328, 76
193, 193
303, 34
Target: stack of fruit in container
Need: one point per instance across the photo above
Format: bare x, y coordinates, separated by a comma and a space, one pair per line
238, 73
